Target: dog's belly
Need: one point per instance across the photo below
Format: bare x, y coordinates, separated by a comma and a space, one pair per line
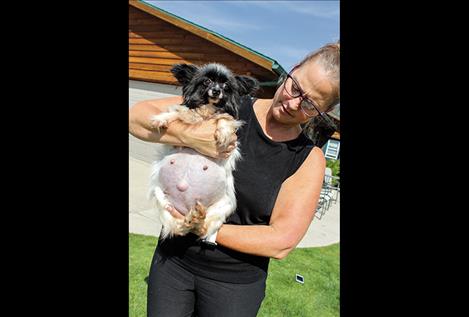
188, 176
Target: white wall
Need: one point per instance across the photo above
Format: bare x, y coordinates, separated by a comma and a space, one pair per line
138, 91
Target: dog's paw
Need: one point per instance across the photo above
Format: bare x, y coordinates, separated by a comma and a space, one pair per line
200, 210
199, 229
195, 220
223, 137
196, 214
162, 203
158, 124
181, 228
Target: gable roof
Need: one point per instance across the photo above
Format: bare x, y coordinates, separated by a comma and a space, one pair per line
216, 38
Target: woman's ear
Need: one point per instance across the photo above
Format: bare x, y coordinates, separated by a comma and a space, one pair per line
184, 72
248, 85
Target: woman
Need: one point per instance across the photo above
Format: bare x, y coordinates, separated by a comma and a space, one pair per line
277, 182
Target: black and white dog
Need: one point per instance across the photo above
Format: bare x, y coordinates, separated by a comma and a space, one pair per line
199, 187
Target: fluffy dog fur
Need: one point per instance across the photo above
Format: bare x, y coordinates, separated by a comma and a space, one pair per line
209, 91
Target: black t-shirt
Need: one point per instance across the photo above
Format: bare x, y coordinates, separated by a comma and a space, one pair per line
259, 174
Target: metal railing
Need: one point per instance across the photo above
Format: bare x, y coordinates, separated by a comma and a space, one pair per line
329, 194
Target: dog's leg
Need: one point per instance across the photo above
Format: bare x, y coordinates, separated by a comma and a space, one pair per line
170, 225
195, 219
190, 116
161, 200
163, 119
224, 131
216, 216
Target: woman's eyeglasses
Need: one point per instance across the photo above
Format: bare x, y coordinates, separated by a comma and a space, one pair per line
309, 108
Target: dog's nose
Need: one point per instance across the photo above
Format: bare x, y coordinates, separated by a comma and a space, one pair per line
182, 186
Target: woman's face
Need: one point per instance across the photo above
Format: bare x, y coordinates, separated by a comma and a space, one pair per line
314, 84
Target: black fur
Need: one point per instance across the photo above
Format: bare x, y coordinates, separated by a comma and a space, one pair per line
197, 81
184, 72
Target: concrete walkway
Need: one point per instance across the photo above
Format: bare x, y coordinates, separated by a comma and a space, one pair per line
143, 219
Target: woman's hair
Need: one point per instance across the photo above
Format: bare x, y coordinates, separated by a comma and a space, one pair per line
328, 57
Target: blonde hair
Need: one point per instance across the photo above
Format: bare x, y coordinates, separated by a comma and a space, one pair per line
328, 57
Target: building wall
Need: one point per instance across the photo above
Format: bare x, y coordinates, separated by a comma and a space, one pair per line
139, 91
156, 45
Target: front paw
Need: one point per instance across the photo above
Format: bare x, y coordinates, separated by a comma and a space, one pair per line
223, 137
158, 124
181, 228
200, 230
195, 220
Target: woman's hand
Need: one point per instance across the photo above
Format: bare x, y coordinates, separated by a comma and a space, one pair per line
174, 213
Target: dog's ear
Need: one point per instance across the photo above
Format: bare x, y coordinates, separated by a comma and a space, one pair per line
184, 72
248, 85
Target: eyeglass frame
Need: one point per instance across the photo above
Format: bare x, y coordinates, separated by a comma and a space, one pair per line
304, 98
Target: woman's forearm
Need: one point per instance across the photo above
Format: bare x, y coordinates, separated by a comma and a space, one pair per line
140, 122
262, 240
200, 137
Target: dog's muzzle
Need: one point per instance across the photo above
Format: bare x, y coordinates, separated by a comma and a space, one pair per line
215, 92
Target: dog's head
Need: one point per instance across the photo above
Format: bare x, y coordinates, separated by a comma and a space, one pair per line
213, 84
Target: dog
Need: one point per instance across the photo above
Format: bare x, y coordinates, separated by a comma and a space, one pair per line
199, 187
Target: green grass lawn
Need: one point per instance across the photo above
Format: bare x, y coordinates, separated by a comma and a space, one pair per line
318, 296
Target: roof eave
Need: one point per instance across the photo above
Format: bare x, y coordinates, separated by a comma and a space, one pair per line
239, 49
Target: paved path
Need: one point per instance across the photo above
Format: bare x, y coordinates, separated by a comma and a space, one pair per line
143, 219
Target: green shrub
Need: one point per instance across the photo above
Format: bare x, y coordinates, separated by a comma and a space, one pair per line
334, 165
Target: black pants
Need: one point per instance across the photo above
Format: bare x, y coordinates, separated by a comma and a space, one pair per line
175, 292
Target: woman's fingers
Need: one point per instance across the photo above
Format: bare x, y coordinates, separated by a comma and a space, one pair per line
233, 138
227, 152
174, 213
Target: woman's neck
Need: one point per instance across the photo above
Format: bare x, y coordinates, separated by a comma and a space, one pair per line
275, 130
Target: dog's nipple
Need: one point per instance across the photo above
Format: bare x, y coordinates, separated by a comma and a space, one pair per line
182, 186
172, 161
205, 167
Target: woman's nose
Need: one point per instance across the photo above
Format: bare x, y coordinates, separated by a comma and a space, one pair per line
293, 103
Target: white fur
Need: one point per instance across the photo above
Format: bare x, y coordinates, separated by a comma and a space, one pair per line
218, 211
225, 129
163, 119
216, 214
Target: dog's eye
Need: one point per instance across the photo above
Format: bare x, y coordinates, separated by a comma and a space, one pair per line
207, 82
226, 87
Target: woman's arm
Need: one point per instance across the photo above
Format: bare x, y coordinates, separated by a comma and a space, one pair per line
200, 137
140, 120
291, 216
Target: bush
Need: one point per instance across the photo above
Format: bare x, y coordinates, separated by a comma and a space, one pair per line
334, 165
